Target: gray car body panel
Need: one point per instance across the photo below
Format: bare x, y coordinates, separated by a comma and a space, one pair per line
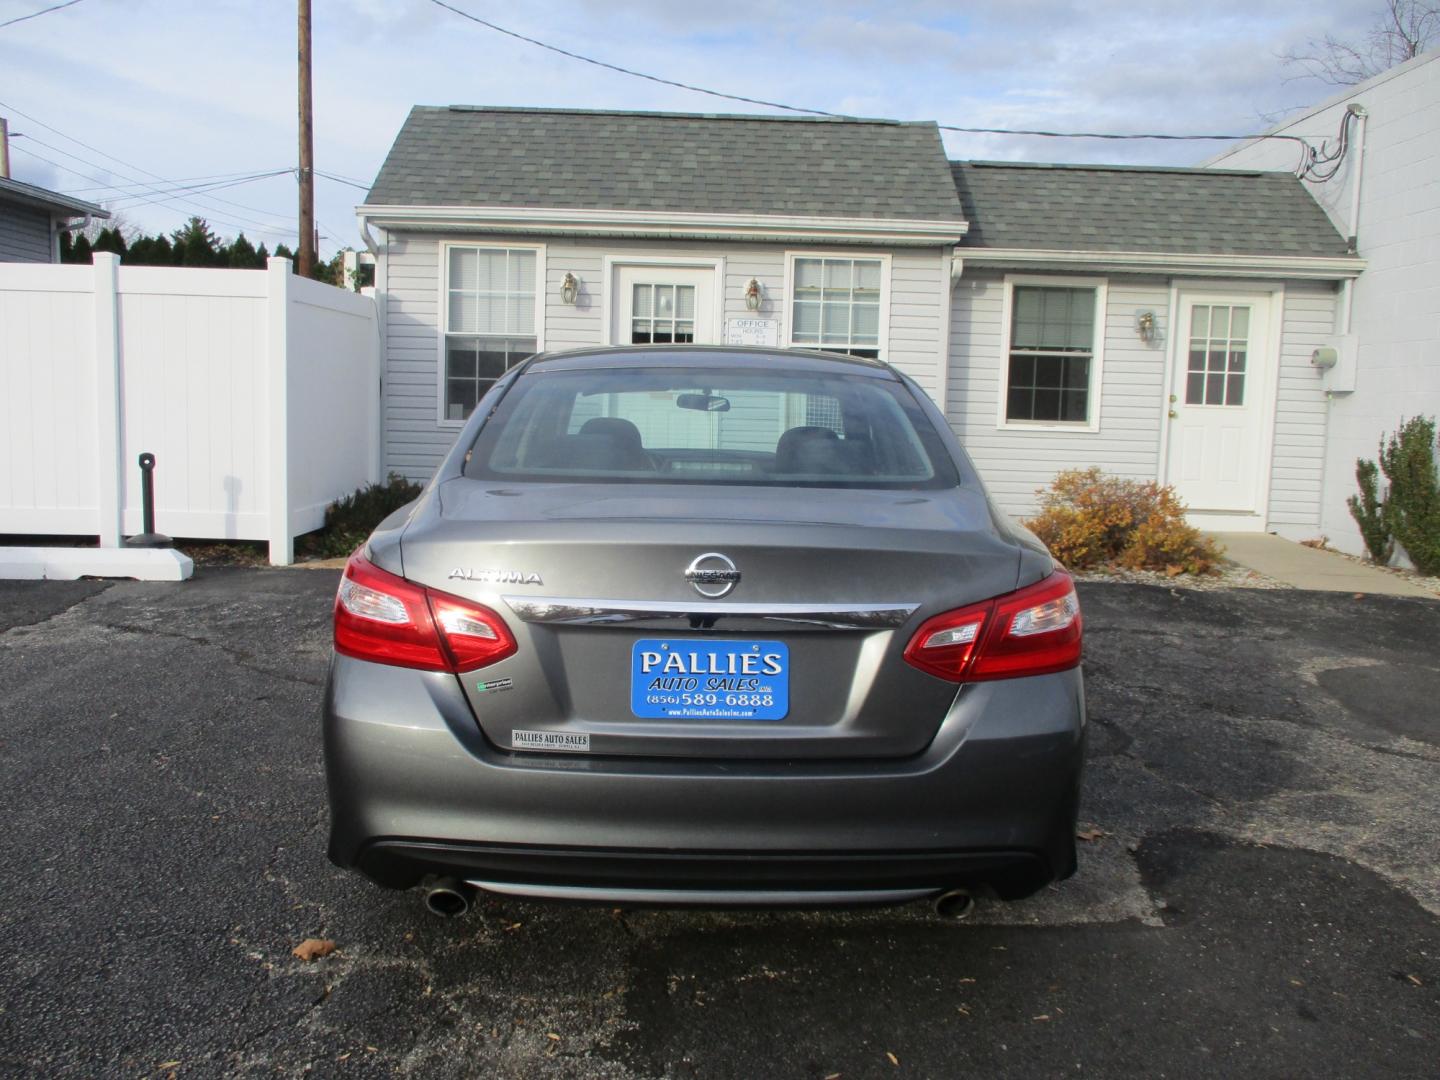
874, 755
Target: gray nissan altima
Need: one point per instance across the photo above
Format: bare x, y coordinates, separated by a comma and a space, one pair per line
695, 625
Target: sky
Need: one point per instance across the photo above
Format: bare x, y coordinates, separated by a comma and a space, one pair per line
108, 96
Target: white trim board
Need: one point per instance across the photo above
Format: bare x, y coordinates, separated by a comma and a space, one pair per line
1329, 268
661, 223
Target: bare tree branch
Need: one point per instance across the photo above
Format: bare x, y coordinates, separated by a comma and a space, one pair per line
1402, 31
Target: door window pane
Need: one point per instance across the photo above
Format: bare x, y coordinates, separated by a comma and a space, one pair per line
1215, 368
662, 314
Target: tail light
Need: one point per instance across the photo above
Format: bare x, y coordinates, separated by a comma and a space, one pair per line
387, 620
1033, 631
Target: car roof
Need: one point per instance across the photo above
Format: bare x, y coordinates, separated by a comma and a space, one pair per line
738, 357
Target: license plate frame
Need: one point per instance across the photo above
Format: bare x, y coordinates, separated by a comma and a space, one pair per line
702, 679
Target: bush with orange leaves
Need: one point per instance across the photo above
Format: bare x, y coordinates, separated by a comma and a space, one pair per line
1088, 519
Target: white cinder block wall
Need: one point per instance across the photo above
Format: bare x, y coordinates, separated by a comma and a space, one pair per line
415, 441
1396, 316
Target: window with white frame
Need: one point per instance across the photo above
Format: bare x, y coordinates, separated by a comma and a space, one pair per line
1051, 365
489, 321
836, 305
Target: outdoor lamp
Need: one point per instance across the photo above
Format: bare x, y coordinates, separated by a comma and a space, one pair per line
570, 288
752, 295
1145, 326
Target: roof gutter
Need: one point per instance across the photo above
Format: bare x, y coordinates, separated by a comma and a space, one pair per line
1325, 268
906, 232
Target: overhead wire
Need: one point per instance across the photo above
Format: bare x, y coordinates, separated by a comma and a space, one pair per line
37, 14
274, 230
129, 165
841, 116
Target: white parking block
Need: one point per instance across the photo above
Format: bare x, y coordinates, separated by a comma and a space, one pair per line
67, 564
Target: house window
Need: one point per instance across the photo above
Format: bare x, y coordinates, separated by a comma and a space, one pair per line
489, 321
1052, 354
836, 305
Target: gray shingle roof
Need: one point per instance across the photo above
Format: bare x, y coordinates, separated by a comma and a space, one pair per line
1131, 208
571, 159
52, 201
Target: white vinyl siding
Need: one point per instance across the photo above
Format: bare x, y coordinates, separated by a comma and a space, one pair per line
1016, 461
1301, 411
25, 234
411, 288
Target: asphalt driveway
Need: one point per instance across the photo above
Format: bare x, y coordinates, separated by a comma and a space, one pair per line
1260, 894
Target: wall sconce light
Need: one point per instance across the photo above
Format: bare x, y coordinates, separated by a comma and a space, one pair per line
570, 289
1145, 326
752, 295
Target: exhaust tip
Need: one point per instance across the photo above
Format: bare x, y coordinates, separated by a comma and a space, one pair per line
448, 899
954, 904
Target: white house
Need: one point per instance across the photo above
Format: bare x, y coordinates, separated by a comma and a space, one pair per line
1385, 194
32, 219
1159, 323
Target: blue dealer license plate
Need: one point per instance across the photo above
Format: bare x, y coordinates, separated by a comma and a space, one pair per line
686, 679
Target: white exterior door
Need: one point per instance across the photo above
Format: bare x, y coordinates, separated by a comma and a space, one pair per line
662, 305
1219, 412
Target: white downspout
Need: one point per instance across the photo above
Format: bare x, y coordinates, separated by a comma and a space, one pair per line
1347, 288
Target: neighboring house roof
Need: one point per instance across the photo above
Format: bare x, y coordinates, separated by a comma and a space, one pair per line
57, 204
578, 159
1117, 208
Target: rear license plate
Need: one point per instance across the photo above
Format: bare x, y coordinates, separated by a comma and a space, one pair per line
686, 679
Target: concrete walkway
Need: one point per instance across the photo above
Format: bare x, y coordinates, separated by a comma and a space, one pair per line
1309, 568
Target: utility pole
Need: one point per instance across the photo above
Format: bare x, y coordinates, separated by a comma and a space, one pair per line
306, 254
4, 148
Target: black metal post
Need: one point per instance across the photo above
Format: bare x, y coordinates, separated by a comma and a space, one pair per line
149, 538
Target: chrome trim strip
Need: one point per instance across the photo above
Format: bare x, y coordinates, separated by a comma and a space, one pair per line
573, 611
730, 897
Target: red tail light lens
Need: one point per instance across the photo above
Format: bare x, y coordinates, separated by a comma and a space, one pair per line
1033, 631
387, 620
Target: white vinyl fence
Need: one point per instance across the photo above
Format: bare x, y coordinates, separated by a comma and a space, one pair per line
258, 392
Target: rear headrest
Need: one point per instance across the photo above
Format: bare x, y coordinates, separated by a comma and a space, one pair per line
622, 431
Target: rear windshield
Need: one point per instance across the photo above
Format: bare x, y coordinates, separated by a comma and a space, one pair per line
693, 426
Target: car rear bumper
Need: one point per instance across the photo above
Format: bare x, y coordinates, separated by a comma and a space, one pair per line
416, 790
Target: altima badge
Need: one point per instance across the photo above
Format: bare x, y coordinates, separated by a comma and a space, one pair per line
712, 574
497, 577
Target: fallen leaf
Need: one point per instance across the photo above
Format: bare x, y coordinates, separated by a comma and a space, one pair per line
1359, 596
967, 979
1415, 979
893, 1059
515, 926
1297, 982
312, 948
1174, 570
1090, 835
1042, 1016
168, 1064
832, 1076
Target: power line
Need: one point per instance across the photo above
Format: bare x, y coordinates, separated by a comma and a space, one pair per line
37, 14
129, 165
342, 180
131, 201
821, 112
152, 188
218, 221
178, 180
